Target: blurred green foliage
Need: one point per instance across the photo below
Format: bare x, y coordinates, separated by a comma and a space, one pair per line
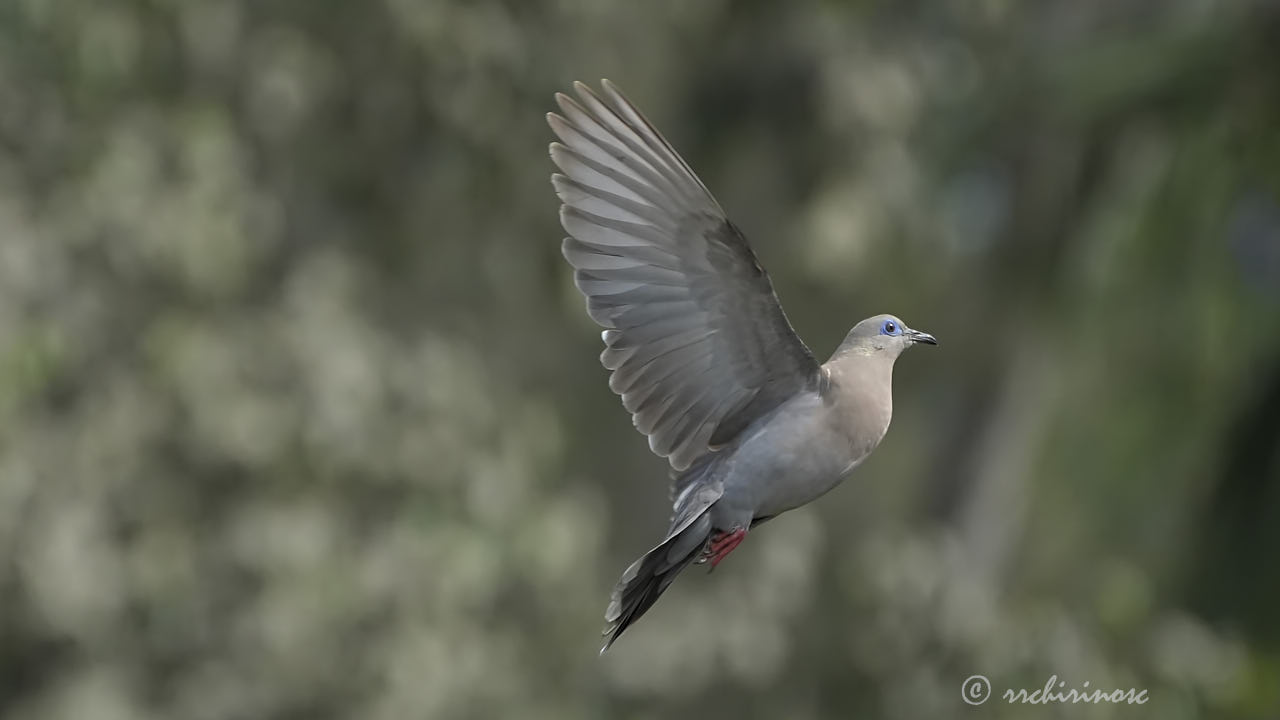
300, 415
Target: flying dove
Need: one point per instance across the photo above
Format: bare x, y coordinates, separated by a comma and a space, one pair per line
699, 348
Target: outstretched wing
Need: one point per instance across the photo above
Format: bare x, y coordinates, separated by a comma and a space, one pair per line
696, 341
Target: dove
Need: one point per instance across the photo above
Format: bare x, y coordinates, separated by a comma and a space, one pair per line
699, 349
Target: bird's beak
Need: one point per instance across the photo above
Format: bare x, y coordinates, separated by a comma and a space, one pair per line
916, 336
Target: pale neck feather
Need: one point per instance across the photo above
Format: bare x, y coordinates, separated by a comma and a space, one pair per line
858, 389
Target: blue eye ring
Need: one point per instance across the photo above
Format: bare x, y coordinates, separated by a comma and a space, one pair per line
890, 327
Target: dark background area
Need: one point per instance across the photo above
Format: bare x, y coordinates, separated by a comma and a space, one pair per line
301, 417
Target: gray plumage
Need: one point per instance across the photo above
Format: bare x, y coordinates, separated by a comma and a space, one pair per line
699, 348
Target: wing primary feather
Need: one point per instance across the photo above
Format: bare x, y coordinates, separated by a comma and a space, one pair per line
658, 293
603, 156
635, 230
608, 138
629, 135
625, 109
578, 139
644, 274
597, 230
647, 253
583, 128
582, 169
578, 253
572, 192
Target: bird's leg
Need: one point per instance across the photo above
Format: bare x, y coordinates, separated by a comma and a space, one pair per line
721, 544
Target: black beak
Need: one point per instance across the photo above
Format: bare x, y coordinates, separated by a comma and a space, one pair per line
921, 337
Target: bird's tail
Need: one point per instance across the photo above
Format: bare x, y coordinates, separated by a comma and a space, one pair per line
647, 578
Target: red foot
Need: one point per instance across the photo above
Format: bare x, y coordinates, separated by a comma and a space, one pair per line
723, 543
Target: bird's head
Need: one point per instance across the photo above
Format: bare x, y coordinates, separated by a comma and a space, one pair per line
883, 334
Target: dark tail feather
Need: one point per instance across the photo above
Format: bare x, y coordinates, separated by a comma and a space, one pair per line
647, 578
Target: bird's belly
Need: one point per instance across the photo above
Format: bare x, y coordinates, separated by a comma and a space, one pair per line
806, 480
766, 478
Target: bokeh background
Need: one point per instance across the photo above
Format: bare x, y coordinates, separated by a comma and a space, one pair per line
301, 416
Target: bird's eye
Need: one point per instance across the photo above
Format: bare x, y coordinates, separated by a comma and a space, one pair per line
889, 328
